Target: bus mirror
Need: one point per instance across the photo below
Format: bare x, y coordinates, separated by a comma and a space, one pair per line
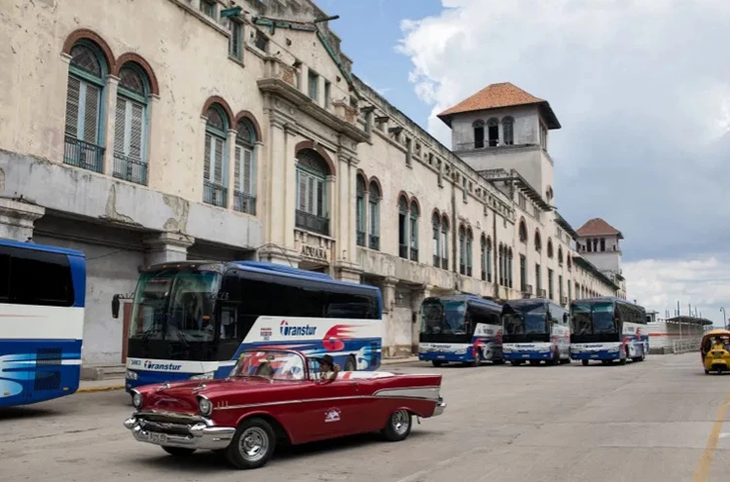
115, 306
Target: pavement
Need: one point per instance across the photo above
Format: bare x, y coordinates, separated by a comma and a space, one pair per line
90, 386
660, 420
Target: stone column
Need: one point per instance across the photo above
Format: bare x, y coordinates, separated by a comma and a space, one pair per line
17, 218
167, 248
419, 294
277, 186
388, 311
110, 124
289, 191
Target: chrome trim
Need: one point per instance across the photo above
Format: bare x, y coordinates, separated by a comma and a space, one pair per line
440, 407
175, 417
196, 435
428, 393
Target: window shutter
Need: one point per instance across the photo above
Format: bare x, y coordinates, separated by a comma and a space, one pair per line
248, 171
206, 157
91, 114
302, 191
120, 127
72, 107
218, 174
137, 132
237, 170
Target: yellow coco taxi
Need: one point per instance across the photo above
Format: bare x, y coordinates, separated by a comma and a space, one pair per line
715, 351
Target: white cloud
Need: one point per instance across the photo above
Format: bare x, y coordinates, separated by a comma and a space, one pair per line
703, 283
644, 98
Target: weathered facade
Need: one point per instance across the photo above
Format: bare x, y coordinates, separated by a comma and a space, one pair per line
194, 130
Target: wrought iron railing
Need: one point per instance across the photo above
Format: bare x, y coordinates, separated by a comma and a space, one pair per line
215, 194
312, 222
361, 238
403, 251
374, 242
444, 263
414, 254
83, 154
437, 260
244, 203
130, 169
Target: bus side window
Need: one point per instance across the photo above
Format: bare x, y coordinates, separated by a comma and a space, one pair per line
349, 306
4, 277
41, 279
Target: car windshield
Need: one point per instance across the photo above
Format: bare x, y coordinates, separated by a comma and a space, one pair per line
175, 305
269, 364
443, 317
524, 320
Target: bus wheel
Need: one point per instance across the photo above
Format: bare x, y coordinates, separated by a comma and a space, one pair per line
516, 363
498, 361
437, 363
350, 364
584, 362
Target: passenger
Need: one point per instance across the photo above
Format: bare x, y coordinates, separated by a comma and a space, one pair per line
717, 344
328, 369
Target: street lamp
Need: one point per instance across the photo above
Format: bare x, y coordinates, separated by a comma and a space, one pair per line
724, 318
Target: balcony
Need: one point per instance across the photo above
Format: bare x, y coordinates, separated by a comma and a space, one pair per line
414, 254
312, 222
130, 169
244, 203
83, 154
360, 238
374, 242
215, 194
403, 251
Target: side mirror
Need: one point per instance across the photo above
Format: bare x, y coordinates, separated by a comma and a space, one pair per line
115, 306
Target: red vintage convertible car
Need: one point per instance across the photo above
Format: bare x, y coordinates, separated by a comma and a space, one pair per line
275, 396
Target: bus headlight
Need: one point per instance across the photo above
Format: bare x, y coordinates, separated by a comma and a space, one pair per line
205, 406
131, 375
203, 376
137, 399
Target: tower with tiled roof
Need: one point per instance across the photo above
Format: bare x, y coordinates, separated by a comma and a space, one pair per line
501, 130
600, 243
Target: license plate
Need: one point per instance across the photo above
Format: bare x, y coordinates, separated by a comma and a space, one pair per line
440, 356
594, 356
158, 437
525, 356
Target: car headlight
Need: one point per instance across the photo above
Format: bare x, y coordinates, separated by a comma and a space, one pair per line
205, 406
131, 375
203, 376
137, 399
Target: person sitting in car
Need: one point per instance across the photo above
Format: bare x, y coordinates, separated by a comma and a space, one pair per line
328, 369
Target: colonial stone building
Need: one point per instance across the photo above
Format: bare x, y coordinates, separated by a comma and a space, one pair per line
206, 129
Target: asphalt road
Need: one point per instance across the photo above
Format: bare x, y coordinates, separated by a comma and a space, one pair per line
659, 420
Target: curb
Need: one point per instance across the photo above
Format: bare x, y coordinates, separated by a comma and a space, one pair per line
100, 389
398, 361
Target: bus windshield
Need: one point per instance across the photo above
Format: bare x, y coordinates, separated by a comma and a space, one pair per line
525, 320
443, 317
593, 318
175, 305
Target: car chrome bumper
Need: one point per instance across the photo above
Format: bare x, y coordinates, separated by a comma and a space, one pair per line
440, 407
198, 435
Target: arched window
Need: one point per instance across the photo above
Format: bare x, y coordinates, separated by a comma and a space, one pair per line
478, 134
403, 227
462, 250
560, 255
510, 257
312, 213
570, 262
523, 231
469, 242
374, 203
508, 131
244, 170
493, 127
445, 242
550, 248
436, 226
84, 136
502, 268
413, 229
360, 210
486, 259
538, 241
130, 127
215, 163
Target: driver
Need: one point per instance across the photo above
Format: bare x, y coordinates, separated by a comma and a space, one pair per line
328, 368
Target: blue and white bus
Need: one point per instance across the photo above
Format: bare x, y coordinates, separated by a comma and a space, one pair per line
42, 293
460, 328
608, 329
535, 330
192, 319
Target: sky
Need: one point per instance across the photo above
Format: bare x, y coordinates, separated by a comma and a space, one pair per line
641, 88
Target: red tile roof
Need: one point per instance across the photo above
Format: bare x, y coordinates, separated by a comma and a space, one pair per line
498, 96
598, 227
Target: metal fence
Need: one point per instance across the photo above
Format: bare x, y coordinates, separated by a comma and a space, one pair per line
685, 345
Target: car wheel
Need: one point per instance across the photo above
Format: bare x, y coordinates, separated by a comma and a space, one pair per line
707, 372
350, 364
399, 426
178, 451
252, 445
